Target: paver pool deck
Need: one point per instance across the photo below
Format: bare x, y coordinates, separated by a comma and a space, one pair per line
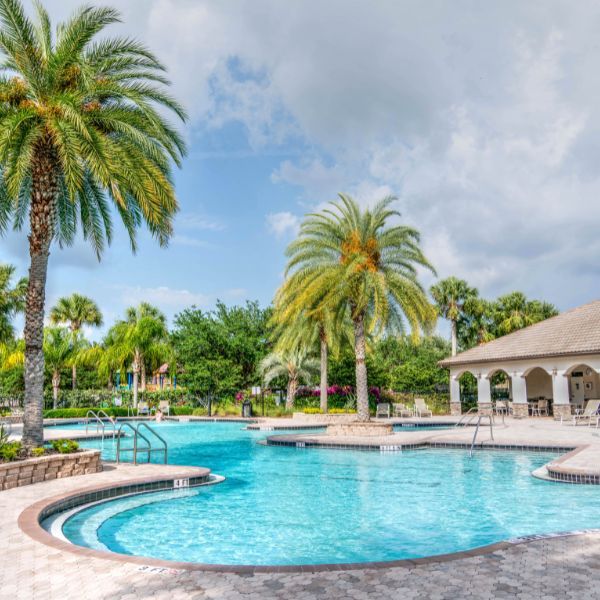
555, 567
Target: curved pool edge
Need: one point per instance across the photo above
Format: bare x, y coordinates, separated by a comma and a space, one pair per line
30, 523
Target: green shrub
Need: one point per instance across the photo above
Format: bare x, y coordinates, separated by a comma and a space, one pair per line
38, 452
10, 451
312, 410
65, 446
179, 411
199, 412
80, 413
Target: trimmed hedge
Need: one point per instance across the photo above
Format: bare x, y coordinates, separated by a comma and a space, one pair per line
80, 413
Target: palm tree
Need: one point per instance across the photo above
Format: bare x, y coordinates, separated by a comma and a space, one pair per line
138, 340
450, 295
58, 354
296, 365
353, 263
476, 324
306, 329
514, 311
76, 310
12, 300
83, 126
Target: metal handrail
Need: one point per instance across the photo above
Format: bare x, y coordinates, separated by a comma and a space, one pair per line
157, 435
99, 422
112, 421
467, 414
491, 420
135, 448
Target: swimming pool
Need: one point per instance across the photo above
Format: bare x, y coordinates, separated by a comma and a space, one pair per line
288, 506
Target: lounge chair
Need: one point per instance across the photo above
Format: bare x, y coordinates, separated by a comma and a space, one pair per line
164, 407
540, 409
501, 407
591, 410
401, 410
383, 410
143, 409
421, 409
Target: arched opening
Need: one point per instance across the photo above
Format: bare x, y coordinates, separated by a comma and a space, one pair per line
500, 384
584, 385
468, 390
539, 392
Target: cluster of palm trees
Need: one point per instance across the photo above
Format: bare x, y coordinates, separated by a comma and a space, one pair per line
352, 274
137, 343
475, 320
84, 136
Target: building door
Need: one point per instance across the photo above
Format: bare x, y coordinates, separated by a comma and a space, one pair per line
577, 389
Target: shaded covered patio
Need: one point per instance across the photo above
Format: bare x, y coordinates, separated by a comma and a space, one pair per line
552, 367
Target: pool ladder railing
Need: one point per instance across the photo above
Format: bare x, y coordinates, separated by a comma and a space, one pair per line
490, 417
98, 418
136, 448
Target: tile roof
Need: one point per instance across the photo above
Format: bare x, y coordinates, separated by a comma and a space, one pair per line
575, 331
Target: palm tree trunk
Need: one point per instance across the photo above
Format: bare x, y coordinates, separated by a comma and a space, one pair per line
74, 376
55, 386
362, 390
135, 388
143, 377
41, 216
323, 372
292, 388
453, 336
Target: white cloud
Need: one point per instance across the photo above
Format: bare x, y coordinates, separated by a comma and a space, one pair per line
185, 240
283, 223
166, 298
198, 222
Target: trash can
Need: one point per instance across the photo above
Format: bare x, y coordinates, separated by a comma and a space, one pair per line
246, 409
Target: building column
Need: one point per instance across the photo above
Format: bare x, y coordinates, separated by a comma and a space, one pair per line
455, 408
484, 393
519, 395
561, 396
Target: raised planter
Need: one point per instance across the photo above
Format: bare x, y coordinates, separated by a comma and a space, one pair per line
324, 418
368, 429
53, 466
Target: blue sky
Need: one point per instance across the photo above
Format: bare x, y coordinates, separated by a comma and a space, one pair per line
482, 119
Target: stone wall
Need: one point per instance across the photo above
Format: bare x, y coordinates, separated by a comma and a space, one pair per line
326, 418
54, 466
369, 429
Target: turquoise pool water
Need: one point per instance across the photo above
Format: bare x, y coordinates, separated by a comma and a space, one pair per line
281, 506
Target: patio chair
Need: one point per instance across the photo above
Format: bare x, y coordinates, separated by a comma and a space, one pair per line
540, 409
401, 410
421, 409
501, 407
143, 409
383, 410
591, 410
164, 407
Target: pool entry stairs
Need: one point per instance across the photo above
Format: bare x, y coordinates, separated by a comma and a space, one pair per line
142, 434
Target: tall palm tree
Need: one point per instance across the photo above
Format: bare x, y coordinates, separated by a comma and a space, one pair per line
76, 311
12, 300
514, 311
138, 340
450, 295
353, 262
296, 365
58, 354
82, 127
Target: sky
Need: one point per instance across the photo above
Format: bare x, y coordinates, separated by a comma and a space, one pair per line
482, 118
